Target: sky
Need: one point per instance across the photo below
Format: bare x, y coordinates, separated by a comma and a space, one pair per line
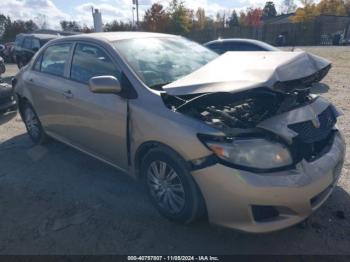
54, 11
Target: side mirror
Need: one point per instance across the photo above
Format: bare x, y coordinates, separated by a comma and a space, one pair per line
104, 85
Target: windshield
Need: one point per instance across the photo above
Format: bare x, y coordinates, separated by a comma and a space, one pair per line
158, 61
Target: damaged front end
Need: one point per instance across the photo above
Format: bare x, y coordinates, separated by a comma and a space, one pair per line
265, 128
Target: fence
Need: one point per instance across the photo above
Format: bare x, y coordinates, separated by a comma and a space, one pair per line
317, 32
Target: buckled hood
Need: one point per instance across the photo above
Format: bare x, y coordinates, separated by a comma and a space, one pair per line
239, 71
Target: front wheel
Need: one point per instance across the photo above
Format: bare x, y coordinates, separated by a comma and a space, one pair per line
170, 186
33, 124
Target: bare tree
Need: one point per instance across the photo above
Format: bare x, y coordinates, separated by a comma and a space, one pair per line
288, 6
41, 21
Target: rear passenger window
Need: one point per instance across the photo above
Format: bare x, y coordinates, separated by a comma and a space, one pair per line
54, 59
217, 47
27, 43
89, 61
36, 44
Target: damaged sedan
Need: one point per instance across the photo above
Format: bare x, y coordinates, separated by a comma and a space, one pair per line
237, 138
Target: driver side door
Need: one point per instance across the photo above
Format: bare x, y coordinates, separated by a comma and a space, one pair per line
97, 122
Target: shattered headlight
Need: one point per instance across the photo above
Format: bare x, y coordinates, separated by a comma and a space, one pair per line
253, 152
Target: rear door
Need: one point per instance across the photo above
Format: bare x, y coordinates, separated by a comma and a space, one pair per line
97, 122
49, 88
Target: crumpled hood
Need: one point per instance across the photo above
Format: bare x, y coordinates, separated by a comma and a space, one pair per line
239, 71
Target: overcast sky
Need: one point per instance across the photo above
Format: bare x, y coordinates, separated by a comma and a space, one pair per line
80, 10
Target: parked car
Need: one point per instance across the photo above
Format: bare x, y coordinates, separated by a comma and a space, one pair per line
9, 55
237, 138
26, 45
2, 66
221, 46
7, 99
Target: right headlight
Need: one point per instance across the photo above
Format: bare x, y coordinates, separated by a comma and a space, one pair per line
253, 152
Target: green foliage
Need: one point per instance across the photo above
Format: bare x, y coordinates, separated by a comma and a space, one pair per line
233, 20
70, 26
156, 19
10, 29
180, 18
325, 7
269, 10
118, 26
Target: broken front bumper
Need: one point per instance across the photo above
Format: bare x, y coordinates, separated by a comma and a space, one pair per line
266, 202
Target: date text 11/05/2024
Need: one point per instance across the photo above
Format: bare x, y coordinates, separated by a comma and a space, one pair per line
173, 258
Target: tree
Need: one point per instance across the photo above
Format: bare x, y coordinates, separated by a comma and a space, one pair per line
288, 6
233, 19
118, 26
201, 21
180, 17
4, 21
11, 29
306, 13
331, 7
41, 21
70, 26
220, 20
269, 10
87, 29
243, 19
253, 17
347, 6
30, 26
156, 19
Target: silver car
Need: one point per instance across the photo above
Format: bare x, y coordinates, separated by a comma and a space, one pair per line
237, 138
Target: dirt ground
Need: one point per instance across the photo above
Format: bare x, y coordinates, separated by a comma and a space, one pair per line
56, 200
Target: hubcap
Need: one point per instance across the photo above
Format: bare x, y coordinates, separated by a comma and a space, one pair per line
166, 187
32, 123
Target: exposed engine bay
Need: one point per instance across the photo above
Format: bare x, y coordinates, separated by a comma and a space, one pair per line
241, 113
245, 110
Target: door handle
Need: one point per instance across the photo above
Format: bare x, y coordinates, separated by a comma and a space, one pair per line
68, 94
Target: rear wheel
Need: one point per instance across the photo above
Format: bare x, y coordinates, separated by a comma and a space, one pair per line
33, 124
170, 186
20, 63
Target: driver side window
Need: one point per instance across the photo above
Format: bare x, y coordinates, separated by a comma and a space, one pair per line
89, 61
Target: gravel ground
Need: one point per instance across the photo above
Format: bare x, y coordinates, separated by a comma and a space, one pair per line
55, 200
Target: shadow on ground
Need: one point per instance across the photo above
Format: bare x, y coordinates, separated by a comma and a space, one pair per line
57, 200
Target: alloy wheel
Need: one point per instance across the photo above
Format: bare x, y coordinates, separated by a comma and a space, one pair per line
32, 122
166, 187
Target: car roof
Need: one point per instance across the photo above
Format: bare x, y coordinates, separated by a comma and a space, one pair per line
115, 36
39, 36
244, 40
227, 40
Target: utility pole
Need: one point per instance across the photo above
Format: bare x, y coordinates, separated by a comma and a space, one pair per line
137, 13
136, 3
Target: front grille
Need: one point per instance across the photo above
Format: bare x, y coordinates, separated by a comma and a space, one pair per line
308, 133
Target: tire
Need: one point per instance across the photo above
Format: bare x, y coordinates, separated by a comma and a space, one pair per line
33, 124
2, 68
184, 203
20, 63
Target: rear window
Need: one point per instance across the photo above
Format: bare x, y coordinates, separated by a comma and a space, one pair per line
242, 46
19, 40
55, 58
27, 43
